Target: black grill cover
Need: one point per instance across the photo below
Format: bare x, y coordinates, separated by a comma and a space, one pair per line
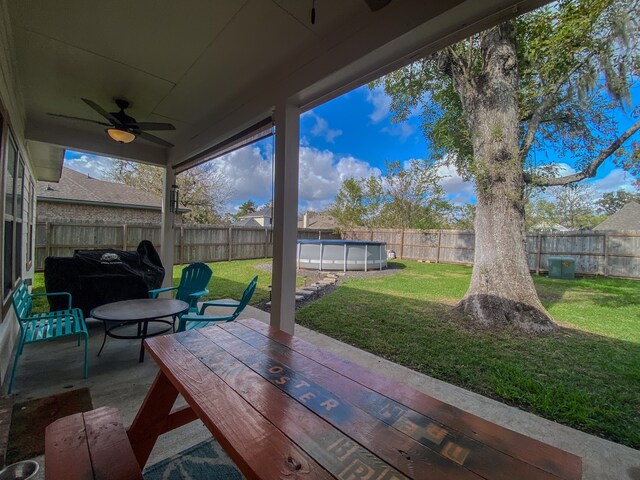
96, 277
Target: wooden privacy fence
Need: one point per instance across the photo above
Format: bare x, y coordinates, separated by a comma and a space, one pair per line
194, 243
609, 253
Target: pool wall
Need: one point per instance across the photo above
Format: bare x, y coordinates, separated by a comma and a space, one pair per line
341, 255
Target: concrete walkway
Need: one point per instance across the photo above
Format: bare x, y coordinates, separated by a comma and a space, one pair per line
117, 379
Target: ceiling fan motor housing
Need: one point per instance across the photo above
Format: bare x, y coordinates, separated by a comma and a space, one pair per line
122, 103
121, 116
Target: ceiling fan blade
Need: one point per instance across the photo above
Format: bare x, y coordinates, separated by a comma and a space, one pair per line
154, 139
377, 4
101, 111
150, 126
79, 118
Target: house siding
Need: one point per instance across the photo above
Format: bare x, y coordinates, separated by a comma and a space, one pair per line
12, 113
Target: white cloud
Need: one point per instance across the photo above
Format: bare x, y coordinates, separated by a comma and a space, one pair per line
248, 173
615, 180
555, 169
92, 165
402, 130
456, 188
321, 128
563, 169
322, 173
381, 104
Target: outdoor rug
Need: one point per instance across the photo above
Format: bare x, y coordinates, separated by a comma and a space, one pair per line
29, 419
204, 461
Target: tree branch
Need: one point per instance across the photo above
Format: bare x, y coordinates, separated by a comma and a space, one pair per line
587, 172
563, 118
536, 119
538, 115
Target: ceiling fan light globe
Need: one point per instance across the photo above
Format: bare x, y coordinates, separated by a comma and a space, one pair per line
121, 136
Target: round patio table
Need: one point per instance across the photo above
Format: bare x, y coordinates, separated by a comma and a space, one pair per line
141, 312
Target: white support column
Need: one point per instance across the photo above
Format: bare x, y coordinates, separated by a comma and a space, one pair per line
285, 217
167, 228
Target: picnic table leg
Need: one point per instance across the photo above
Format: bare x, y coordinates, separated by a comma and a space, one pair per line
155, 409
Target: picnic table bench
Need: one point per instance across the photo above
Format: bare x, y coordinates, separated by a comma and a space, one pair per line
90, 446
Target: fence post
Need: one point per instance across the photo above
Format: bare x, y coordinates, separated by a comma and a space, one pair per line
266, 243
538, 253
439, 243
48, 236
230, 243
606, 255
124, 237
401, 244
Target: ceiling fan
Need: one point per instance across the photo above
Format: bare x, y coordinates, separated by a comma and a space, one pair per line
122, 127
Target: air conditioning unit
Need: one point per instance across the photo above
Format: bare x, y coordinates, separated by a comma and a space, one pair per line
562, 267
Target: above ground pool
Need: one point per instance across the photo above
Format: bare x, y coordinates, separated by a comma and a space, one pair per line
342, 255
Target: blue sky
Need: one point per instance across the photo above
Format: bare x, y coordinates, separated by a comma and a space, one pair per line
350, 136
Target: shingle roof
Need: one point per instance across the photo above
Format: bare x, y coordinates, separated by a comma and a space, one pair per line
263, 212
78, 187
627, 218
247, 222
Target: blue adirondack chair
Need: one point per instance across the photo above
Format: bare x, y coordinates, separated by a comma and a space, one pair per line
41, 327
191, 321
193, 285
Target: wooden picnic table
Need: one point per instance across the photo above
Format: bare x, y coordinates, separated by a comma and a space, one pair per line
283, 408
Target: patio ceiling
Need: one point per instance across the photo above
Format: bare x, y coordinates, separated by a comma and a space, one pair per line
212, 68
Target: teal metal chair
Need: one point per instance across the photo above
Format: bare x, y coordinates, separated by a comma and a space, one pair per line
193, 285
191, 321
42, 327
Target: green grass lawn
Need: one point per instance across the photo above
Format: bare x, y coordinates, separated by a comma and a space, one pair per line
228, 281
587, 375
231, 278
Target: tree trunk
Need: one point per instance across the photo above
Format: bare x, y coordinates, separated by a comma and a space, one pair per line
501, 290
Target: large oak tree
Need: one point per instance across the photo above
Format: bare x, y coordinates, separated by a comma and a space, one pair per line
551, 77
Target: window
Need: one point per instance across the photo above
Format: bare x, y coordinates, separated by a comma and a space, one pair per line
14, 193
31, 206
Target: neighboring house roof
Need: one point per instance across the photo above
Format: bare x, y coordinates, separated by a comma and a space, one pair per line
76, 187
627, 218
247, 222
316, 220
262, 213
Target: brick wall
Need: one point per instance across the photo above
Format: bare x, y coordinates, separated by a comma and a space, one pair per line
69, 212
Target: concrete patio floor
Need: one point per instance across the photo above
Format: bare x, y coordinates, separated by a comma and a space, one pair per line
117, 379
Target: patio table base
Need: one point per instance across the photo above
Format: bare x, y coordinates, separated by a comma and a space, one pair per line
142, 332
140, 312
